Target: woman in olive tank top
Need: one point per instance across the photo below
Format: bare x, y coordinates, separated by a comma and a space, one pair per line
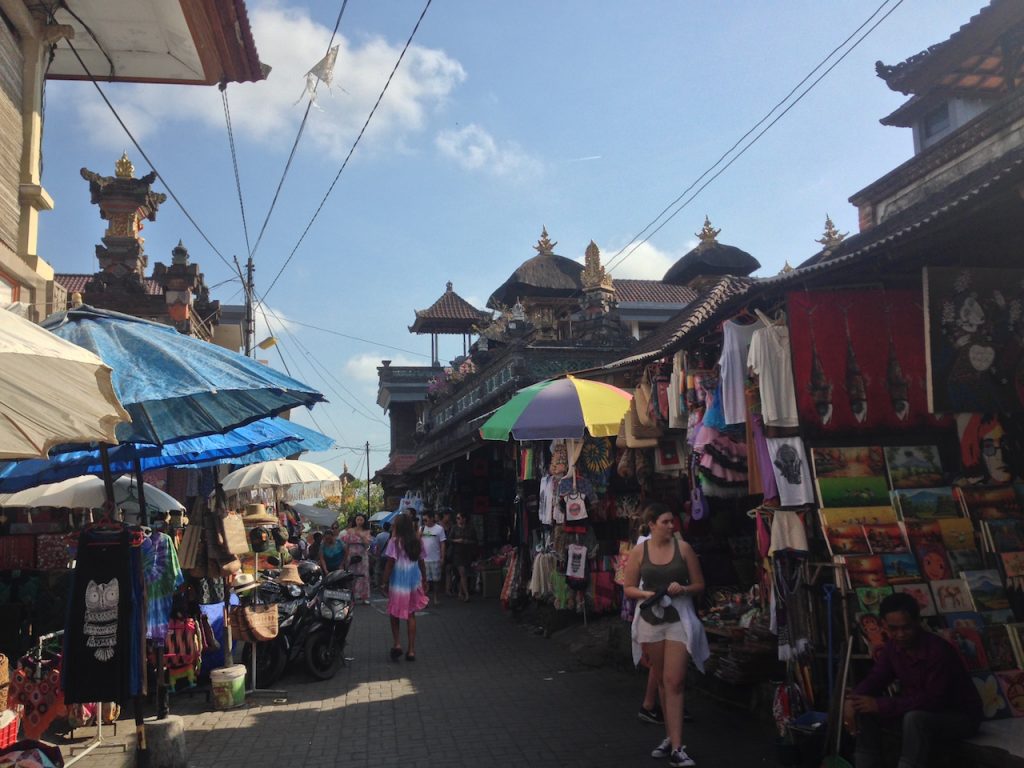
667, 627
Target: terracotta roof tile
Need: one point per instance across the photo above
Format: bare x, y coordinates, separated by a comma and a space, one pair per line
652, 292
73, 283
448, 311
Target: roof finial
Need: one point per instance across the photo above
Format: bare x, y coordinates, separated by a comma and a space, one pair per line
123, 168
594, 275
544, 246
786, 268
448, 287
832, 236
708, 234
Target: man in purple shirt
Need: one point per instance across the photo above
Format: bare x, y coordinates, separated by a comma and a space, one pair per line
937, 702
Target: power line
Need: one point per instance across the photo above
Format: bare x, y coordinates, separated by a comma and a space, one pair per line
145, 157
295, 144
234, 160
355, 338
612, 263
351, 150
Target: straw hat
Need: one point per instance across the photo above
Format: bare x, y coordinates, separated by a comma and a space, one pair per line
256, 514
243, 583
290, 575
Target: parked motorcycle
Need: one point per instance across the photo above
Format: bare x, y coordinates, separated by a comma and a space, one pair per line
313, 623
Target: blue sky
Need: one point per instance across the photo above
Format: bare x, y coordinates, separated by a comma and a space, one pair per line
584, 117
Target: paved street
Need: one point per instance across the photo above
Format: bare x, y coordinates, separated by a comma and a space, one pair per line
484, 691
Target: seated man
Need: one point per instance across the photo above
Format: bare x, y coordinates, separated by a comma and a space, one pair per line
937, 702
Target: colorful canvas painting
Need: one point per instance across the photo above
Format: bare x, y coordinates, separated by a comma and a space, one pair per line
974, 361
933, 562
993, 702
872, 629
914, 466
850, 477
1011, 682
951, 595
998, 648
964, 560
1013, 564
987, 590
989, 502
847, 540
922, 532
925, 503
922, 594
987, 455
967, 641
858, 515
866, 571
870, 598
969, 619
957, 533
900, 568
1006, 535
857, 371
885, 538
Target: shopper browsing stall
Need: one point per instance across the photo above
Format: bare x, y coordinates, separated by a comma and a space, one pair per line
668, 630
433, 537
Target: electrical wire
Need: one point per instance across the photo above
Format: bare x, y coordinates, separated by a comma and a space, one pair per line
234, 160
145, 157
295, 144
348, 157
356, 338
622, 255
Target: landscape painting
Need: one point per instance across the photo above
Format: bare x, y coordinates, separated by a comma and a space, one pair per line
987, 590
926, 503
900, 568
914, 466
850, 477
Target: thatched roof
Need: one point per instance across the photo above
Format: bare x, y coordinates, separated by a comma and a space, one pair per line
711, 259
546, 275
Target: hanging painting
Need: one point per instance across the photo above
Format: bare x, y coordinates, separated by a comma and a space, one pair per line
975, 336
858, 360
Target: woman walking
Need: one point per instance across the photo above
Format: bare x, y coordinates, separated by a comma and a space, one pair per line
668, 628
463, 541
357, 542
405, 579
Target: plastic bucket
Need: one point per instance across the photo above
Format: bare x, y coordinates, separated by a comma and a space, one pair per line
228, 686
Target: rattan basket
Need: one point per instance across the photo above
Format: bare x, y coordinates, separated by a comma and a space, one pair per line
5, 681
254, 623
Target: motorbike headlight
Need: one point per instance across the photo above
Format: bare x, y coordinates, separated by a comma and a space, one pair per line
326, 611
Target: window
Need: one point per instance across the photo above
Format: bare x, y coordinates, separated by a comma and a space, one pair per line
935, 122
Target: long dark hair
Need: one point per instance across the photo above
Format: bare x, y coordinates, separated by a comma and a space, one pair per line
405, 532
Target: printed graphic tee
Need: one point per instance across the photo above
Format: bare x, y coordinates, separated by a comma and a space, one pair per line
789, 464
433, 535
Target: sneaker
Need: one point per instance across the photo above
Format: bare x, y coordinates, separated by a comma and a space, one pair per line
662, 750
680, 758
650, 715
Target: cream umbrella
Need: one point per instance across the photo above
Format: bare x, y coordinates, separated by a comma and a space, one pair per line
51, 392
289, 480
87, 492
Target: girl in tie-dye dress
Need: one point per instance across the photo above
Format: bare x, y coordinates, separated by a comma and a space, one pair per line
405, 580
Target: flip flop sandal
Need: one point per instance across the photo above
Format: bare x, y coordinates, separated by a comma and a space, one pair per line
410, 657
396, 654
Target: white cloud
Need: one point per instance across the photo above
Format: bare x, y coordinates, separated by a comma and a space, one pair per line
475, 149
647, 262
271, 321
363, 367
291, 42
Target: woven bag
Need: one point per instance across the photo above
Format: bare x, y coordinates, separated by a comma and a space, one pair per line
5, 681
254, 623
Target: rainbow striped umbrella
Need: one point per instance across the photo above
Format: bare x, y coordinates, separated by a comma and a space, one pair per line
559, 409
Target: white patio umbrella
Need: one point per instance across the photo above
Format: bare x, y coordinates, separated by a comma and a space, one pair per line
51, 392
289, 480
87, 492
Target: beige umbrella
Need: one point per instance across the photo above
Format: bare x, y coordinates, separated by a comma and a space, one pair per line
51, 392
289, 480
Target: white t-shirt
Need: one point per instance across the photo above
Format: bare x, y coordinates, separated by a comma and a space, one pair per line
433, 535
735, 347
792, 473
770, 358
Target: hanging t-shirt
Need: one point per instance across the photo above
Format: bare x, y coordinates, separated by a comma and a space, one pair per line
99, 640
770, 359
162, 576
733, 365
792, 475
548, 500
576, 561
433, 535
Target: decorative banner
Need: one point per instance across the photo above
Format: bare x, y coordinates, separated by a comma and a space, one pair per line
975, 339
859, 360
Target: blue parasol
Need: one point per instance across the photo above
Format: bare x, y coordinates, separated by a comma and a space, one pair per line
175, 386
273, 437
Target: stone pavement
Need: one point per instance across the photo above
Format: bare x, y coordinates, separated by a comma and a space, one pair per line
483, 692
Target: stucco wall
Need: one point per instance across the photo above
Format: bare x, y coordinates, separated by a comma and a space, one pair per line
10, 132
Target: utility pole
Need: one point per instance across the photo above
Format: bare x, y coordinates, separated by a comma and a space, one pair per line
250, 317
368, 510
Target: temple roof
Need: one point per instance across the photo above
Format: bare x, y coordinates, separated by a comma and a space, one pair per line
449, 314
629, 291
711, 259
970, 62
546, 275
75, 283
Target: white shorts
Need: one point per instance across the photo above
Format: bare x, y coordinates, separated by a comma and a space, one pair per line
433, 570
688, 631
